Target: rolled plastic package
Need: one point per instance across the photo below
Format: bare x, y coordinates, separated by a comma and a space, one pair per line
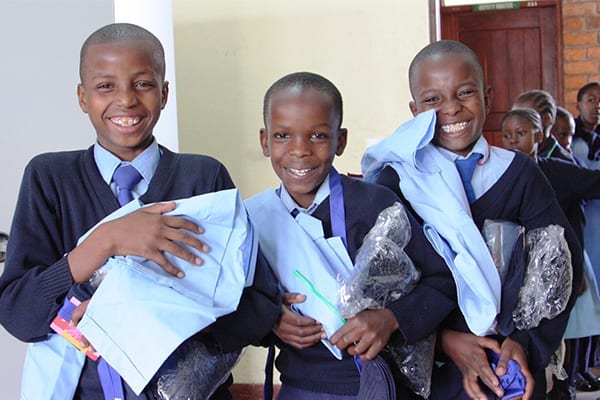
384, 273
500, 237
548, 279
194, 371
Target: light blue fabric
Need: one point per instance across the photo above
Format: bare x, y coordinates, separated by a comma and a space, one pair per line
299, 245
51, 370
584, 319
140, 314
591, 234
431, 183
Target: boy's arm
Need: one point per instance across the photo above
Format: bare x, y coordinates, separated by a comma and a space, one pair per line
570, 181
256, 315
36, 273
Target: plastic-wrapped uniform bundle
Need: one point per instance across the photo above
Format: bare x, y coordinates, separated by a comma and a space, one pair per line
384, 273
549, 278
194, 371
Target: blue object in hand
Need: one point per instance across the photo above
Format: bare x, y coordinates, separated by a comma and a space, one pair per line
513, 381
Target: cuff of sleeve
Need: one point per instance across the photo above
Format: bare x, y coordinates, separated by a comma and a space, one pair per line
56, 281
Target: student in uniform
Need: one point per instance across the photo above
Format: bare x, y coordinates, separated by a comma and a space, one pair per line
302, 135
423, 162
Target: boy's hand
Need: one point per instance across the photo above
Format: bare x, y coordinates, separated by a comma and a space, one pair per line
295, 329
146, 233
366, 333
468, 352
511, 349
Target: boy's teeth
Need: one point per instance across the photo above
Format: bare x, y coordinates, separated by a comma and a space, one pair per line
300, 172
451, 128
126, 121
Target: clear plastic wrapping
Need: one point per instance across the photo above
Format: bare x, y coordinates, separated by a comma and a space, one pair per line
384, 273
548, 279
500, 237
194, 371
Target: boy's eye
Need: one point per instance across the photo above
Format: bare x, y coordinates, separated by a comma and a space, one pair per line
522, 133
280, 135
319, 136
505, 136
144, 84
104, 86
466, 92
430, 100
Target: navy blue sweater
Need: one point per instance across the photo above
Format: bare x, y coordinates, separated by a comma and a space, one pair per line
62, 195
524, 196
418, 313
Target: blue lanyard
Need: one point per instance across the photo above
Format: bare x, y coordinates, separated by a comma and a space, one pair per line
337, 212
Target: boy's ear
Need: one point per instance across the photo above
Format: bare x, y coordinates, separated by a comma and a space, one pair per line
488, 98
165, 94
538, 136
342, 141
413, 108
264, 142
81, 98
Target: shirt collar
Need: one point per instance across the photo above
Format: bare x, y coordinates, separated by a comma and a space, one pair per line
290, 204
146, 162
481, 146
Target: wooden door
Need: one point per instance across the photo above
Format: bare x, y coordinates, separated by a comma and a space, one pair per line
518, 49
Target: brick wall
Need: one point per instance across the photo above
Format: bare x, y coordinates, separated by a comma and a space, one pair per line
581, 41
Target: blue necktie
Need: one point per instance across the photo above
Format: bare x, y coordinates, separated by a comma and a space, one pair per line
126, 177
466, 167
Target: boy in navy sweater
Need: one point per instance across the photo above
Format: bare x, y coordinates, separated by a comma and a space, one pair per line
302, 135
451, 99
64, 194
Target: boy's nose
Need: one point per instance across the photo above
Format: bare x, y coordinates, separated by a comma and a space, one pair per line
450, 107
299, 148
126, 97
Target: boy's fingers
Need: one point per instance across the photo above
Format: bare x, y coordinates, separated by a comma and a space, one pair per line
160, 208
162, 262
182, 223
293, 298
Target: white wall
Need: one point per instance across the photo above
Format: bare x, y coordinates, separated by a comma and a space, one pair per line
38, 107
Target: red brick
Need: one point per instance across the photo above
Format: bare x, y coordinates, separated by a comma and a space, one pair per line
573, 23
571, 97
592, 22
575, 54
582, 67
593, 53
580, 38
580, 8
575, 81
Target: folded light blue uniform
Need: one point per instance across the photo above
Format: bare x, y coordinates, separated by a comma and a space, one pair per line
430, 182
140, 314
307, 251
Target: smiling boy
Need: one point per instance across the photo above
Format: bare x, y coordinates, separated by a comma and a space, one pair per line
420, 162
64, 194
302, 135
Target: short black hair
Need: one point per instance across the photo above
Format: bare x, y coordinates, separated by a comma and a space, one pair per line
303, 81
543, 101
445, 47
585, 88
528, 114
118, 32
